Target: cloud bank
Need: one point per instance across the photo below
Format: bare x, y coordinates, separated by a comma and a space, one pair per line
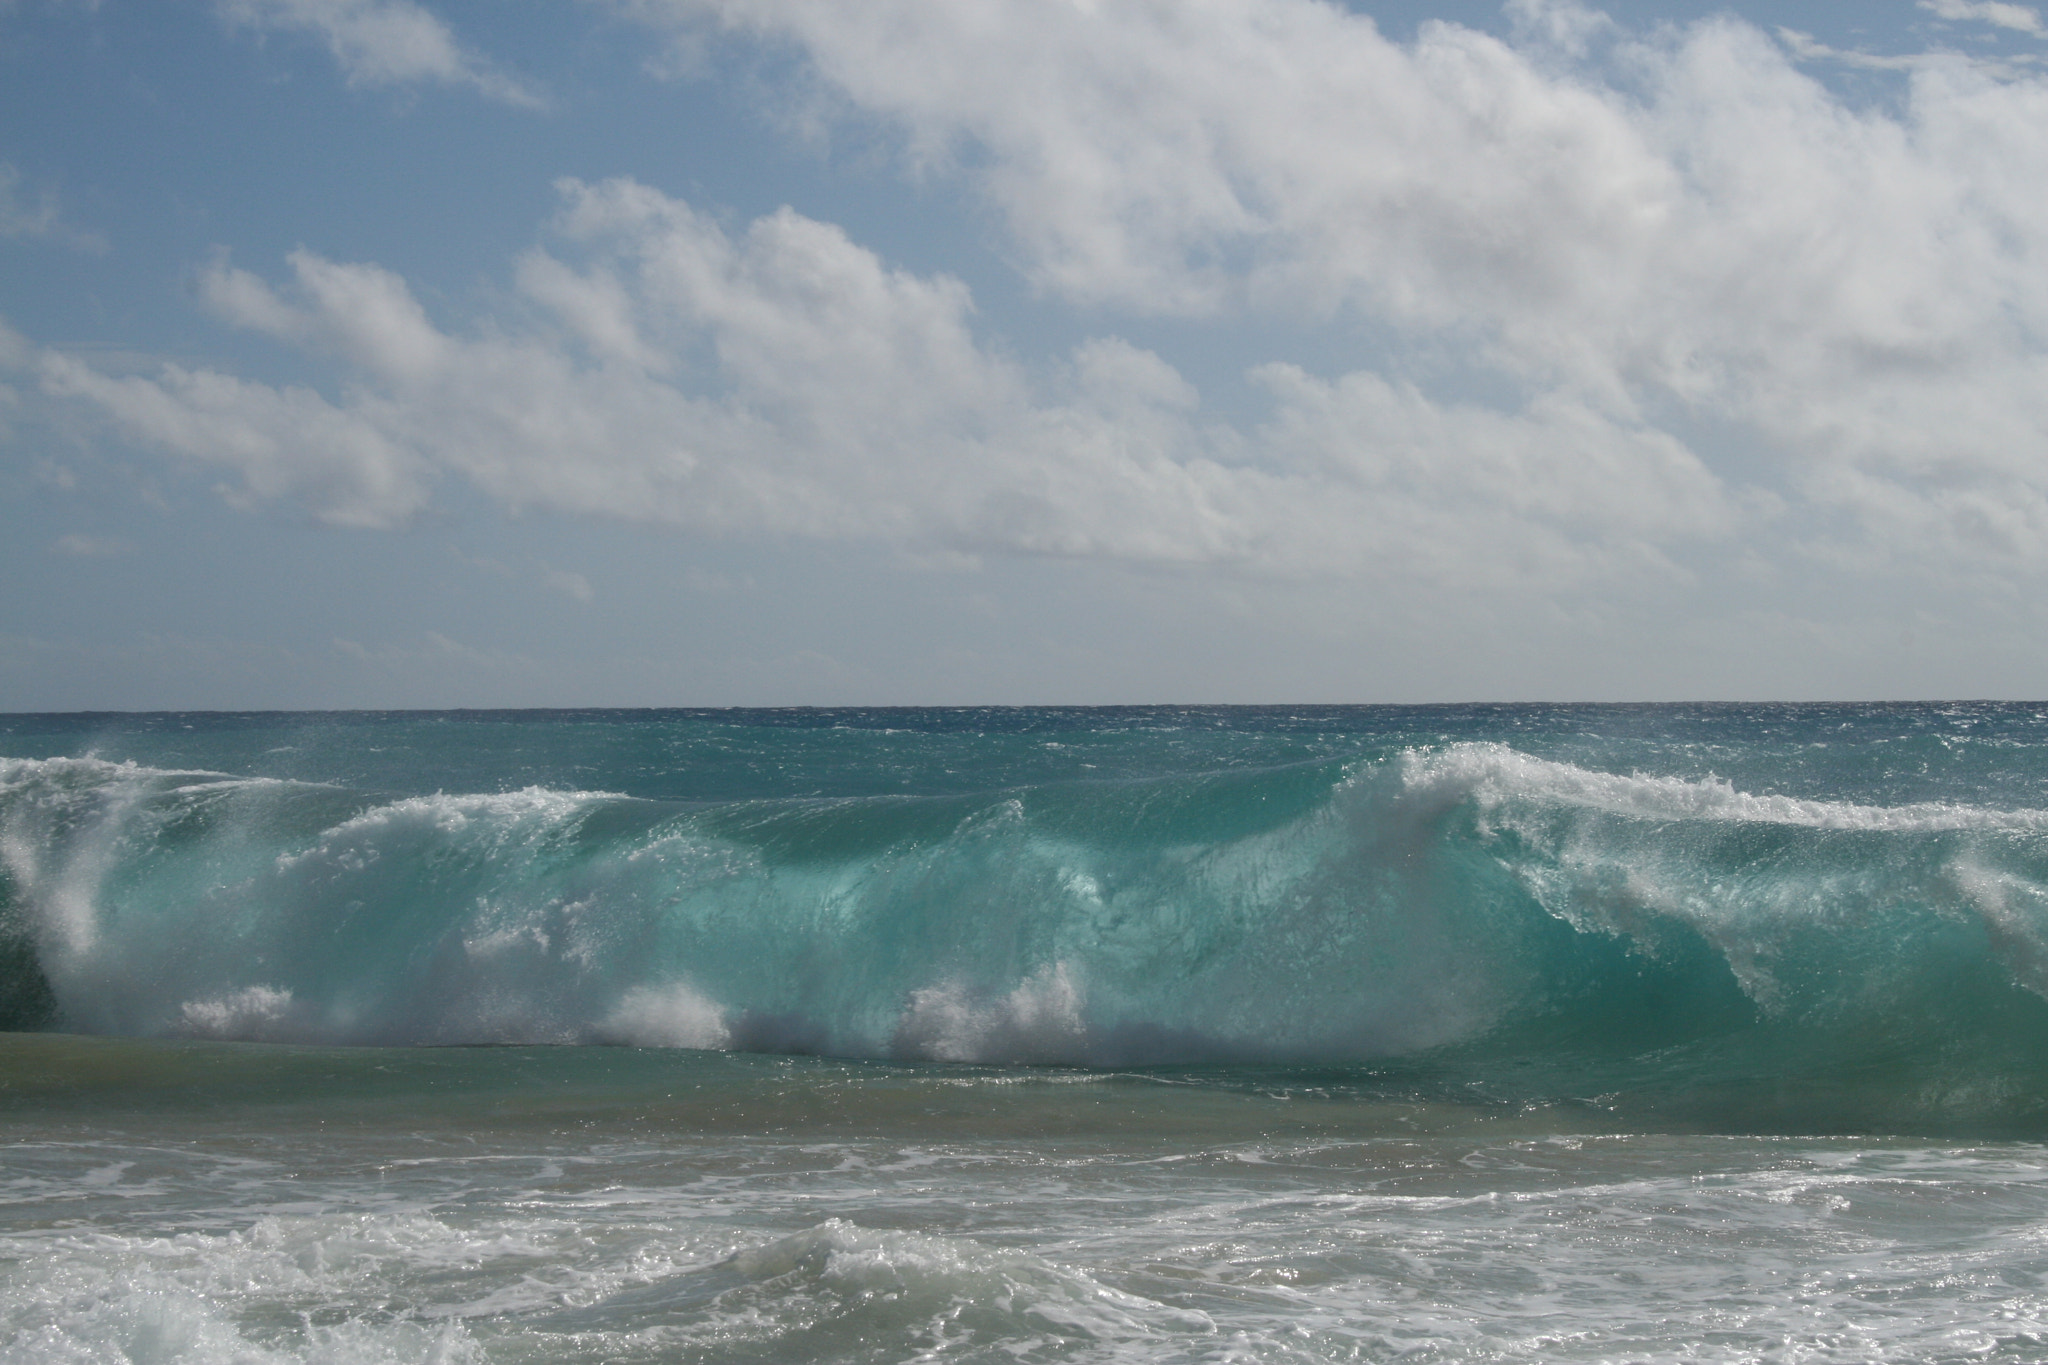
784, 380
1660, 300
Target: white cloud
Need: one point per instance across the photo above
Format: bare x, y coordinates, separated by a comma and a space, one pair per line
784, 380
21, 219
1638, 248
2020, 18
1807, 48
382, 42
1563, 25
1681, 227
284, 443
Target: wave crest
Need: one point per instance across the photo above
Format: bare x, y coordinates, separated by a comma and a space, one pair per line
1463, 900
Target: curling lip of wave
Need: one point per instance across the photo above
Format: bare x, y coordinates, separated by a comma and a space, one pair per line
1487, 771
1492, 772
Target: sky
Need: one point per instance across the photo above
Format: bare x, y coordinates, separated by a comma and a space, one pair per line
429, 353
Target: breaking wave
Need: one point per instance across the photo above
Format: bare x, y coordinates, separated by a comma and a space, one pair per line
1464, 905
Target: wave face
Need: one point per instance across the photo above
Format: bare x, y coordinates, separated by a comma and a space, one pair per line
1467, 900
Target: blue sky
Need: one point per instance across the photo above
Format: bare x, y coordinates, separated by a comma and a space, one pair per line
769, 352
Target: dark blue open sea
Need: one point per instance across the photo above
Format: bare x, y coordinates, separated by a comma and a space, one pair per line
1468, 1033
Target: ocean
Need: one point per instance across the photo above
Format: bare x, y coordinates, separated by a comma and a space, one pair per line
1430, 1034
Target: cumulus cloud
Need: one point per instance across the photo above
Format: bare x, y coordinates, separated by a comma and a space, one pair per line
1674, 229
381, 42
1658, 293
282, 442
784, 379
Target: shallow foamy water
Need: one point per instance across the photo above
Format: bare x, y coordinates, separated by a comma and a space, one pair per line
279, 1204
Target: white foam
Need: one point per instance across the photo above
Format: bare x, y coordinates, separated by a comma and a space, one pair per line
2014, 912
244, 912
1494, 773
180, 1299
65, 890
250, 1013
63, 829
1039, 1021
917, 1273
501, 816
15, 772
673, 1015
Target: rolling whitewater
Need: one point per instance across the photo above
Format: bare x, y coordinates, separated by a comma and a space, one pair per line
1647, 1033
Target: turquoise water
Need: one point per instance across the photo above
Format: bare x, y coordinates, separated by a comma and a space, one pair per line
1461, 1033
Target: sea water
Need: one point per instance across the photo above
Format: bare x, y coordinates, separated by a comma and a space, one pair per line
1425, 1034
